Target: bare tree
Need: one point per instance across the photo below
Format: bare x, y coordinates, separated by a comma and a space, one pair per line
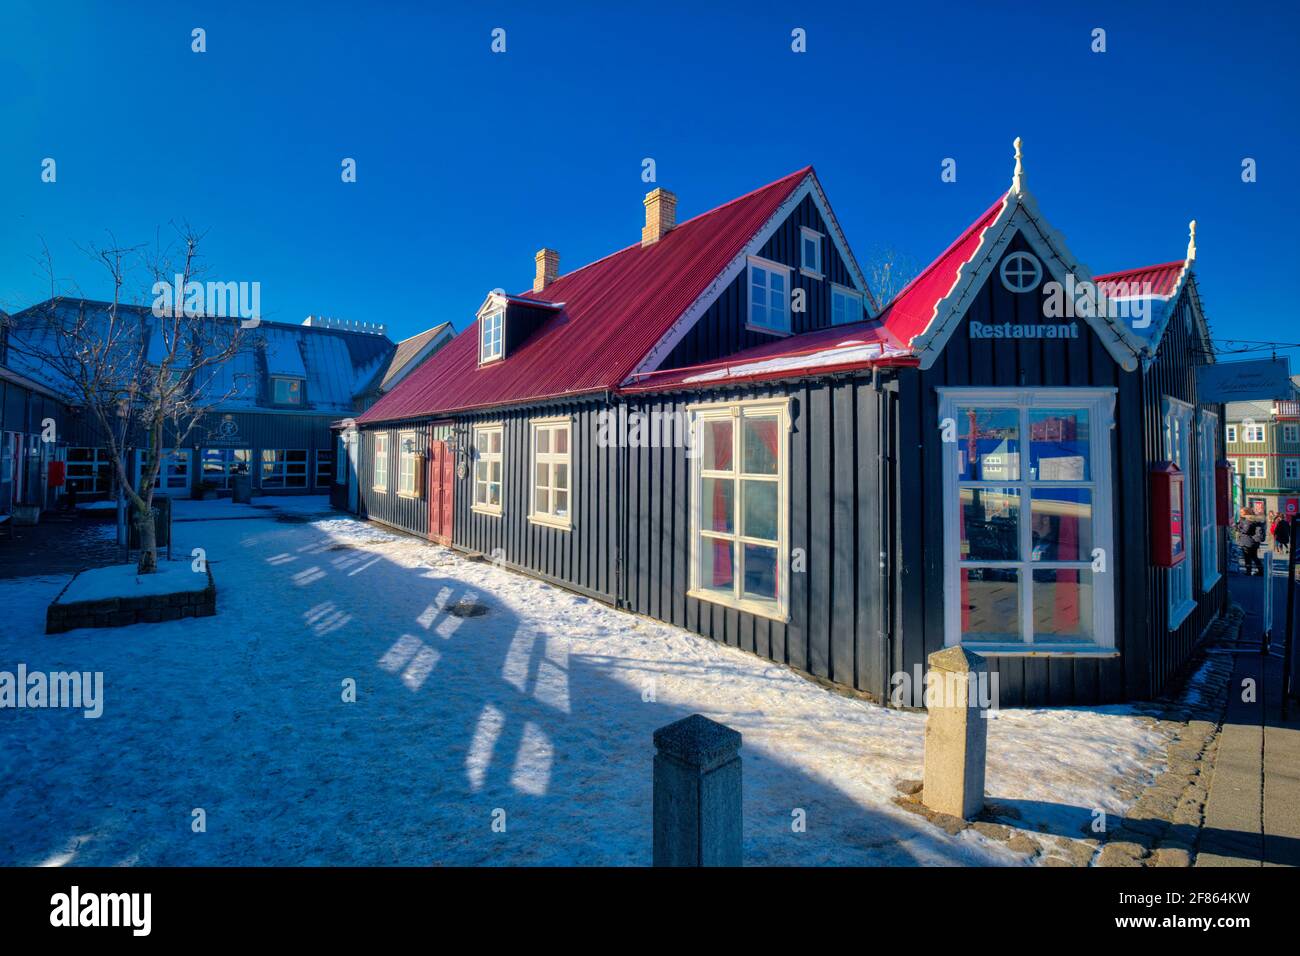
145, 376
888, 272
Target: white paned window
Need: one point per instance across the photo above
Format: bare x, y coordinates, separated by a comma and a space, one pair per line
1231, 434
739, 506
1253, 434
173, 472
90, 471
1291, 469
846, 305
491, 342
1256, 467
1209, 426
488, 441
769, 296
408, 465
324, 467
381, 461
1178, 449
551, 471
1291, 432
810, 252
220, 465
284, 468
1027, 521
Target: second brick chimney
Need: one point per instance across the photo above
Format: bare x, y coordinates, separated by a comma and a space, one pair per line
660, 215
548, 269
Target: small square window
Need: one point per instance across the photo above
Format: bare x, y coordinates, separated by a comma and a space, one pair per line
846, 306
286, 391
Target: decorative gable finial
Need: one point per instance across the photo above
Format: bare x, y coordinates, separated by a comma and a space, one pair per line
1018, 176
1191, 241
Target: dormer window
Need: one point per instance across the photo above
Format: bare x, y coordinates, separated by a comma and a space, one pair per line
286, 391
491, 338
810, 252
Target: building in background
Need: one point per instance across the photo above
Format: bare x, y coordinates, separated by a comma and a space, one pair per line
278, 398
1263, 444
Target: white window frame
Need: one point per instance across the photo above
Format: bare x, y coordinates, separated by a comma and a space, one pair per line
408, 466
487, 458
328, 454
228, 459
1177, 418
1209, 537
98, 466
551, 459
840, 291
492, 336
779, 609
288, 380
1100, 405
380, 469
1290, 432
818, 269
282, 469
1263, 469
170, 478
1249, 431
1291, 469
768, 267
1230, 434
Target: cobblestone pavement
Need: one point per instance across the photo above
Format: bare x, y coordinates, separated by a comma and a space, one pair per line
59, 544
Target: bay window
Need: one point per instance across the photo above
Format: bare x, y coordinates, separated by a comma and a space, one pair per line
1027, 520
739, 506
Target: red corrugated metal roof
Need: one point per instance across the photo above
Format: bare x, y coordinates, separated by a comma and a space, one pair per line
912, 310
1149, 280
615, 310
838, 349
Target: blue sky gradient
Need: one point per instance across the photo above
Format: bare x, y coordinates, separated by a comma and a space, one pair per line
469, 161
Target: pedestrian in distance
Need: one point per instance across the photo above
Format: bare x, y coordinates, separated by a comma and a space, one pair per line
1250, 535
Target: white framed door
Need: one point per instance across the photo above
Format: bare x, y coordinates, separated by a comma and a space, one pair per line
173, 473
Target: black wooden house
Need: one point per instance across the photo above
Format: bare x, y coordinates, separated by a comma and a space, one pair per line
718, 428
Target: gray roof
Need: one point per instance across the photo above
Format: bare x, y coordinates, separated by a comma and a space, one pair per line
334, 363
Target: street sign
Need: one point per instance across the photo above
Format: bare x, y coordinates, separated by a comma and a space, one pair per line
1254, 380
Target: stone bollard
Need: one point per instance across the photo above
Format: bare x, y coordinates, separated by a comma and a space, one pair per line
697, 788
956, 734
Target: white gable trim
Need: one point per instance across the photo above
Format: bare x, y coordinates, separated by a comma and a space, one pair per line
1019, 213
686, 321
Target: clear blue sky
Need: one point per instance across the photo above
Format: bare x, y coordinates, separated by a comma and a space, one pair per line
470, 161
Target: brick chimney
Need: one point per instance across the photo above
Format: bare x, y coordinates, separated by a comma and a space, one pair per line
548, 268
660, 215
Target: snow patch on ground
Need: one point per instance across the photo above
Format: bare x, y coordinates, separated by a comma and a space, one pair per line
543, 707
121, 581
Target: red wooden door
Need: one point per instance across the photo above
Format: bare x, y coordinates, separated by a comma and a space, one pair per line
442, 486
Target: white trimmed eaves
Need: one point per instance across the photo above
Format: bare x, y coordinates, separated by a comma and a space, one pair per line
1019, 212
809, 186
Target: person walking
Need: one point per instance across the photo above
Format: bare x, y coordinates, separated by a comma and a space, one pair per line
1282, 535
1250, 535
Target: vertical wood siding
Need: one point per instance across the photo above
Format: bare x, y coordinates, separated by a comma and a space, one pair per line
584, 557
721, 330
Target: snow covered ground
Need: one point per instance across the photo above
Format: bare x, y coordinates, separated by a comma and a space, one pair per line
543, 708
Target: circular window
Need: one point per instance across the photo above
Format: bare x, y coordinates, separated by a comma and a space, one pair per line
1021, 272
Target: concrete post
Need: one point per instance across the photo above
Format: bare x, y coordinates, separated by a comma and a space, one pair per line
956, 734
697, 787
